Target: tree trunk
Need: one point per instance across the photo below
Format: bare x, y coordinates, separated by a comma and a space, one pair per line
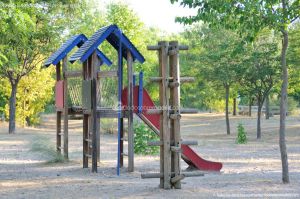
234, 107
267, 107
227, 109
258, 128
283, 106
12, 108
250, 106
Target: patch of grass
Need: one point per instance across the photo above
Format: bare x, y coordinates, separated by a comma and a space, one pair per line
43, 146
241, 137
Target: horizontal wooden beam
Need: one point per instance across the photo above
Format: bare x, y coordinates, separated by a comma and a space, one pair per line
160, 175
157, 47
104, 74
153, 47
182, 111
160, 143
189, 142
187, 79
182, 79
77, 73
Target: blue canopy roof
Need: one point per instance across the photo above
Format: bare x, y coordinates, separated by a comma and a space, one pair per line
113, 35
76, 40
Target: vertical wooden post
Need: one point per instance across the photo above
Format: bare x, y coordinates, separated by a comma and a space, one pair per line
66, 136
164, 121
94, 119
175, 105
58, 115
121, 142
85, 145
98, 84
130, 113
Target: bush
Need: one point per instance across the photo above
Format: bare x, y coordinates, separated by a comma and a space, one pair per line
142, 135
241, 137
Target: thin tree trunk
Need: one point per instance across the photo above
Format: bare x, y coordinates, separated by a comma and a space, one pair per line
227, 109
12, 108
267, 107
250, 107
283, 106
258, 127
234, 106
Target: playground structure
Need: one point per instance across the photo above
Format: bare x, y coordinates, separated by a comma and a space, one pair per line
164, 121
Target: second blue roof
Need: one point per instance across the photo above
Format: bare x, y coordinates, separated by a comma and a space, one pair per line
113, 35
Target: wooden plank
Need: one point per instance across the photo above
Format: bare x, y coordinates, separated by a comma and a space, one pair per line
130, 112
66, 126
104, 74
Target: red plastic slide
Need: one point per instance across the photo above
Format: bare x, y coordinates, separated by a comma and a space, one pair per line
188, 154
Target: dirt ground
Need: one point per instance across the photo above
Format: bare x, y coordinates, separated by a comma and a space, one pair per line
252, 170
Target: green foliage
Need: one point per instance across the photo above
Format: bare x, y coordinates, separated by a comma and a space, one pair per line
43, 146
241, 136
34, 91
143, 134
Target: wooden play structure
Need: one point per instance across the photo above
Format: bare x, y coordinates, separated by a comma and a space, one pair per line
84, 99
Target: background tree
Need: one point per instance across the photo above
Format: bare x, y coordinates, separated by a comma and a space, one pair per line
249, 17
221, 60
261, 71
25, 34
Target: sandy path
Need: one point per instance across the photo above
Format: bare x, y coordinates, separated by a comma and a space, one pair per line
252, 170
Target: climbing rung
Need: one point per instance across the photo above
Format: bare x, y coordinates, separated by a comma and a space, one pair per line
124, 154
173, 84
124, 139
88, 140
88, 155
176, 149
175, 116
60, 134
177, 178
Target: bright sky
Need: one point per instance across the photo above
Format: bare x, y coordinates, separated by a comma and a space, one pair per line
158, 13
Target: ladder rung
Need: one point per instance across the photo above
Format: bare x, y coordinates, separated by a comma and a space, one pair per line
88, 155
124, 154
60, 134
124, 139
88, 140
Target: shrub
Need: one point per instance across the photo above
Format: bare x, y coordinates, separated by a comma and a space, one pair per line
241, 137
143, 134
